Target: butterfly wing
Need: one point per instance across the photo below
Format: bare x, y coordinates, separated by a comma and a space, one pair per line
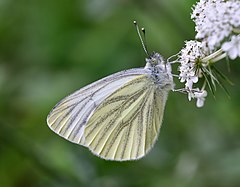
69, 117
126, 124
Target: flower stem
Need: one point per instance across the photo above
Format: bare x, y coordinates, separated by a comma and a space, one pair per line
236, 30
212, 56
220, 57
204, 85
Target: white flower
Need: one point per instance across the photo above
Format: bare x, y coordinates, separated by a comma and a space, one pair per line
188, 57
232, 48
190, 81
188, 75
200, 96
215, 20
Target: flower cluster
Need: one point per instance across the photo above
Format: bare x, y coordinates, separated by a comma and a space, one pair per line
190, 69
218, 36
189, 56
216, 20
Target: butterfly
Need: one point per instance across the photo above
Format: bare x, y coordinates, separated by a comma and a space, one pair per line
117, 117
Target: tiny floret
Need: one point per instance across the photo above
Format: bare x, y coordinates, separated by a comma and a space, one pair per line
232, 48
200, 96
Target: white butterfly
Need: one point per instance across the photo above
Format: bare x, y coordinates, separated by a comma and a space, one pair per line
118, 117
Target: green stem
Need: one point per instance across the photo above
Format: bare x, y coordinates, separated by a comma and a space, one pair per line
212, 56
204, 85
220, 57
236, 30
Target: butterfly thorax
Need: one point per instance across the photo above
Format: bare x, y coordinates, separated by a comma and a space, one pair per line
161, 71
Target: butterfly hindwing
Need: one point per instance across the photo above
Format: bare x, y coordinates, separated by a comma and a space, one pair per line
126, 124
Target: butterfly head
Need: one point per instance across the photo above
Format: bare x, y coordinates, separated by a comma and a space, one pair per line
161, 70
156, 61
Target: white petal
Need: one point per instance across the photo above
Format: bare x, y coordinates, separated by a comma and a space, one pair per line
189, 84
226, 46
233, 53
200, 94
194, 79
200, 102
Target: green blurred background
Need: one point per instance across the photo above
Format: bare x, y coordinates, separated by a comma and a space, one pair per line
49, 48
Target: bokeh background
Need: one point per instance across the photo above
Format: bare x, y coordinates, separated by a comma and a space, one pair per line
50, 48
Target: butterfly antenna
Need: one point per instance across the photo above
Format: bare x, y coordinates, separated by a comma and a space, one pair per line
144, 38
143, 42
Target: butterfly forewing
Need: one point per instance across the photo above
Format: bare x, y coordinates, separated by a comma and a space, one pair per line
69, 117
126, 124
